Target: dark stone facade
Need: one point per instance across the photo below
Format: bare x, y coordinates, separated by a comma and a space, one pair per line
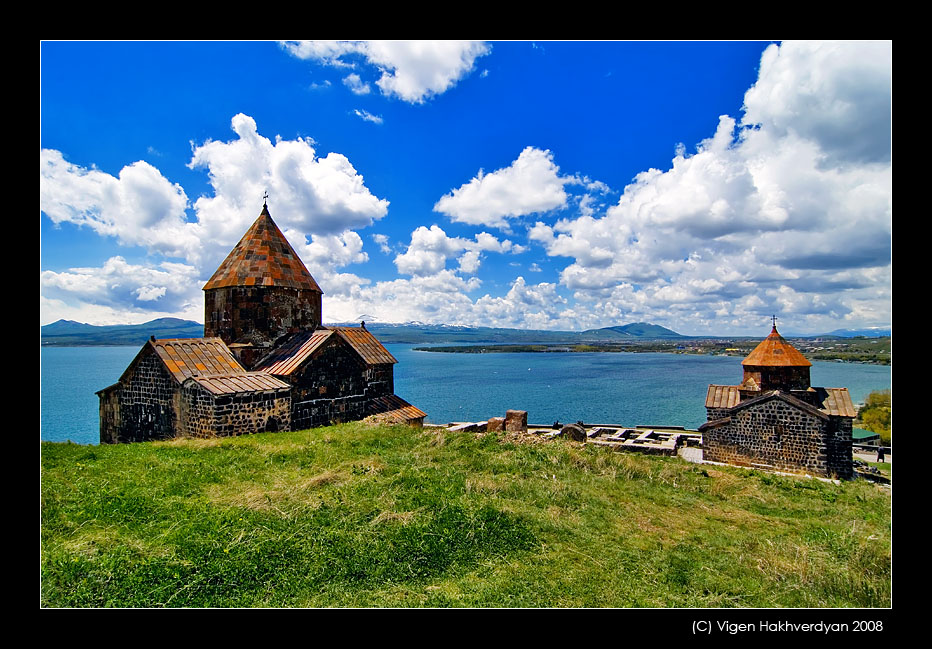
259, 315
143, 406
206, 415
780, 432
774, 419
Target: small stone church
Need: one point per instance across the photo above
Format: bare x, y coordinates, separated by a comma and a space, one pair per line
266, 361
775, 419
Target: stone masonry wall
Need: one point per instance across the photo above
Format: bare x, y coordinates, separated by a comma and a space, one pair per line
330, 388
142, 408
207, 415
776, 434
259, 314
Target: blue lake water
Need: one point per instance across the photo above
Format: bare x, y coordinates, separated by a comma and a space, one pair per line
610, 388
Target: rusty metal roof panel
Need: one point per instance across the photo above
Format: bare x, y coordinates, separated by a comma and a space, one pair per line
365, 344
722, 396
294, 351
187, 357
837, 402
240, 383
774, 350
394, 408
263, 257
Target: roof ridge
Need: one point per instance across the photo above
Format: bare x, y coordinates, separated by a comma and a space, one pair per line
263, 257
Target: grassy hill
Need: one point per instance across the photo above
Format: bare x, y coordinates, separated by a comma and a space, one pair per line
364, 516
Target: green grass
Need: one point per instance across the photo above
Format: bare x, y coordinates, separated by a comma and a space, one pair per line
363, 516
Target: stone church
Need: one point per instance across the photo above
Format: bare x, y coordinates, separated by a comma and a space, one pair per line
775, 419
266, 361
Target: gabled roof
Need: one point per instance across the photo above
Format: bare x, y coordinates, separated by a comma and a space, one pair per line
775, 351
296, 349
240, 382
783, 396
366, 345
837, 401
263, 257
834, 401
394, 409
187, 357
722, 396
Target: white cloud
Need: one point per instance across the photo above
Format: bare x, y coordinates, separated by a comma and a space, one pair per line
315, 195
413, 71
790, 212
367, 116
318, 202
356, 85
430, 248
836, 94
530, 184
122, 290
138, 207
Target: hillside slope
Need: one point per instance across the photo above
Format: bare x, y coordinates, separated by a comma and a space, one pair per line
364, 516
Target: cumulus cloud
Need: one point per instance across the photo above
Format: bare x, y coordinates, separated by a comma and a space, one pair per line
430, 248
319, 202
789, 210
139, 206
120, 289
312, 194
532, 183
443, 298
836, 94
412, 71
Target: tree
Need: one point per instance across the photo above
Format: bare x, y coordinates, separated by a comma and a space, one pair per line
875, 414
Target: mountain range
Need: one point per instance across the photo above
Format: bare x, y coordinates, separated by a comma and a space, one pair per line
68, 333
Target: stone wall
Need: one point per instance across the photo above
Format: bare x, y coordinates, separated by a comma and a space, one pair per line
143, 407
780, 435
259, 314
330, 388
207, 415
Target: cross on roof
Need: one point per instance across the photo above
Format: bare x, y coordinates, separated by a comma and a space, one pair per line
774, 318
265, 199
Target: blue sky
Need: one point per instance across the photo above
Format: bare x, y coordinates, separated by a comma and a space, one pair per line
702, 186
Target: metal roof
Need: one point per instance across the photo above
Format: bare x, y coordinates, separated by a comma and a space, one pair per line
837, 402
722, 396
289, 357
263, 257
394, 408
834, 401
239, 383
365, 344
775, 351
187, 357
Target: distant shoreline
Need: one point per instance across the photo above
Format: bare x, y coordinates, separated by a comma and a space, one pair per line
640, 348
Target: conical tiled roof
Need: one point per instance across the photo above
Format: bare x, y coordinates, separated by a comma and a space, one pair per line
263, 257
775, 351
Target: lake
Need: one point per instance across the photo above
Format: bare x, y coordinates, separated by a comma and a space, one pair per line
602, 388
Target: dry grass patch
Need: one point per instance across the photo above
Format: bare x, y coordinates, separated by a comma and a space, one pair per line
391, 516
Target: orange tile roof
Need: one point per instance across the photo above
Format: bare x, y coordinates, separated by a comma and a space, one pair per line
294, 351
187, 357
263, 257
365, 344
774, 350
395, 409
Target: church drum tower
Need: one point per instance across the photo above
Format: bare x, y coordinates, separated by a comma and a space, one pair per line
260, 293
